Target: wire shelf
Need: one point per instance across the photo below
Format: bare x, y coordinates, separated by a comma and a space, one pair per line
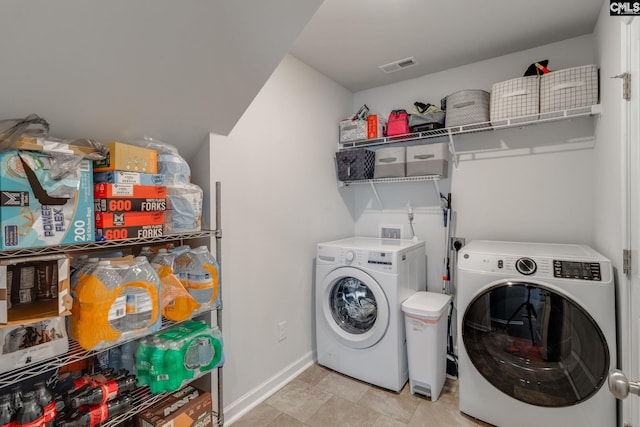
142, 400
105, 244
399, 179
440, 135
75, 354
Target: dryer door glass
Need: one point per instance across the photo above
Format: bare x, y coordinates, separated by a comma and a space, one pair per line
535, 345
353, 305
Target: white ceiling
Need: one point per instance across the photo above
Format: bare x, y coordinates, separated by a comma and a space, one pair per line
348, 40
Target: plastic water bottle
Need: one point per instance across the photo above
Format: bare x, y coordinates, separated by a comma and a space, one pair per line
140, 302
78, 263
145, 348
127, 357
146, 252
158, 375
201, 283
86, 268
111, 279
182, 264
164, 257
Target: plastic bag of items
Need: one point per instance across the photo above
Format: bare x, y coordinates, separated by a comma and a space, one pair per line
32, 133
184, 199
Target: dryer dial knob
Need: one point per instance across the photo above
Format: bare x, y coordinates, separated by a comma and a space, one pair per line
526, 266
349, 256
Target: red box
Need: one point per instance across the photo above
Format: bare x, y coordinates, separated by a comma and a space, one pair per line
128, 219
375, 126
116, 204
139, 232
103, 189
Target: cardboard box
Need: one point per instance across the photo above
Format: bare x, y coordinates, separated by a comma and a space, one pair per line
119, 233
127, 157
53, 145
375, 126
20, 279
188, 407
25, 222
121, 177
22, 345
102, 190
117, 204
128, 219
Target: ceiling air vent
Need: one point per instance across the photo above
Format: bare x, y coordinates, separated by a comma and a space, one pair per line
398, 65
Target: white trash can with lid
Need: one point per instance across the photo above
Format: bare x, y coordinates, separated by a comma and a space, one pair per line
425, 319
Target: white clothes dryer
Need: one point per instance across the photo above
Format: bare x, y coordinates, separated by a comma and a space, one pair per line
536, 334
361, 283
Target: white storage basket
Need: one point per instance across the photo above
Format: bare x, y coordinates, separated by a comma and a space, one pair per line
467, 107
515, 98
569, 88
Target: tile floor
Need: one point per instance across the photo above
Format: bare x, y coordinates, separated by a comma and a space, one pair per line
320, 397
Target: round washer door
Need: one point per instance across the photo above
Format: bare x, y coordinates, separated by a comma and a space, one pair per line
354, 307
535, 344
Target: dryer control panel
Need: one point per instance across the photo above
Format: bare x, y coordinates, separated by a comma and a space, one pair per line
577, 270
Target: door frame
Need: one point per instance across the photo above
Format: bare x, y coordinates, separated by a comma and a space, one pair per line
629, 286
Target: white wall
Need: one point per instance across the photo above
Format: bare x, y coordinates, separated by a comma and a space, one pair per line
279, 199
530, 184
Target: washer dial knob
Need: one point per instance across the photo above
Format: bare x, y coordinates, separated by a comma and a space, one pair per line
526, 266
349, 256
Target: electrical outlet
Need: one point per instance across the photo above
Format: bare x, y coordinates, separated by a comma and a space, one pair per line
457, 241
282, 330
391, 231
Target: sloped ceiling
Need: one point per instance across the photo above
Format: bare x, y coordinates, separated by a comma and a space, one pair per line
121, 69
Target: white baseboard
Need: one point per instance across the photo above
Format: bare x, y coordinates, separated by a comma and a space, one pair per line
262, 392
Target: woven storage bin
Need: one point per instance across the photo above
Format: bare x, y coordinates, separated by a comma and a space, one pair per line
515, 98
355, 164
428, 159
352, 130
569, 88
467, 107
390, 162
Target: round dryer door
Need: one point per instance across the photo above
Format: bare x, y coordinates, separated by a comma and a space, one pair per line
535, 344
355, 307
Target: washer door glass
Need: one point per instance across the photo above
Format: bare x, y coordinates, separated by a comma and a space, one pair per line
535, 345
353, 305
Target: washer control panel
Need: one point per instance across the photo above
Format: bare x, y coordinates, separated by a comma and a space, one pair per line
577, 270
380, 258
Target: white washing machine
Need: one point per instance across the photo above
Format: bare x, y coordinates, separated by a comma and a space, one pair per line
361, 283
536, 334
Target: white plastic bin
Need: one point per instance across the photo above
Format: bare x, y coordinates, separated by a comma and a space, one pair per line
425, 319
